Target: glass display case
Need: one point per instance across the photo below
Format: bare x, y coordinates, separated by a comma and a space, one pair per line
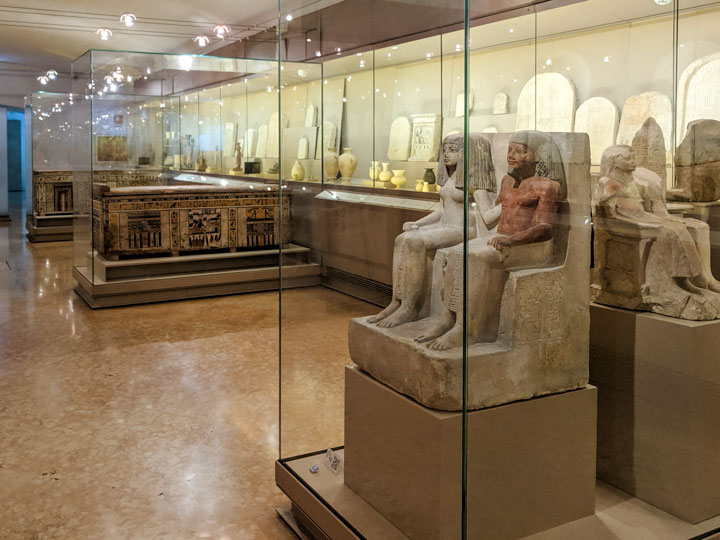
51, 192
167, 160
498, 382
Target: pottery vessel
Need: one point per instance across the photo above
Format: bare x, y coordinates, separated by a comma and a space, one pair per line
330, 161
347, 163
374, 170
298, 171
385, 175
429, 176
398, 178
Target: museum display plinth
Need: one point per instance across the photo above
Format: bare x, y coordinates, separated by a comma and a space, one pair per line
531, 464
658, 383
55, 228
710, 214
158, 279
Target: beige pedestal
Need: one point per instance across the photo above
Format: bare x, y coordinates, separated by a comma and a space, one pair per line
53, 228
658, 383
531, 464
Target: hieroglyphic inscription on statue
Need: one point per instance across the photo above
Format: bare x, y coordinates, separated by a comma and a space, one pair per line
539, 299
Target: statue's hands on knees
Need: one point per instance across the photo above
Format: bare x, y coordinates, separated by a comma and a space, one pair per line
499, 242
410, 226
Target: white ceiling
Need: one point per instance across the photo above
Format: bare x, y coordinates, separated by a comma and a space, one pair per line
52, 33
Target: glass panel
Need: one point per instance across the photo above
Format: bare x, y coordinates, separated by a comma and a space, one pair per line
161, 120
374, 221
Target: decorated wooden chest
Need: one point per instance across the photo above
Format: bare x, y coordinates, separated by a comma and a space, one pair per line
182, 219
53, 190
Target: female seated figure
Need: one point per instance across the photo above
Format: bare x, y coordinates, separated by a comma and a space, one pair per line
443, 228
526, 208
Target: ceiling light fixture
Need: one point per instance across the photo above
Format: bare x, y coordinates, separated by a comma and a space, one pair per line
104, 33
128, 19
288, 17
221, 30
663, 2
43, 79
201, 40
51, 74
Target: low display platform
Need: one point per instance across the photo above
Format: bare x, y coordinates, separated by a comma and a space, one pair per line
53, 228
659, 408
158, 279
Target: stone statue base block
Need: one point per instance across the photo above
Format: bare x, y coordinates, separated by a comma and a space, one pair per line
659, 408
496, 374
531, 464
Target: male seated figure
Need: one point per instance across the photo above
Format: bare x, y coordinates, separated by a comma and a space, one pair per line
675, 278
525, 209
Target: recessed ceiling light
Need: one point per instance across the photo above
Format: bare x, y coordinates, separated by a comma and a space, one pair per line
43, 79
201, 40
128, 19
288, 17
511, 30
663, 2
51, 74
221, 30
104, 33
308, 40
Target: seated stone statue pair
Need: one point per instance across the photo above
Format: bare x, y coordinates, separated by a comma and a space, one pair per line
645, 257
508, 229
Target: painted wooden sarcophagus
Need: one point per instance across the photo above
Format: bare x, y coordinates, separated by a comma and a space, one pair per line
137, 221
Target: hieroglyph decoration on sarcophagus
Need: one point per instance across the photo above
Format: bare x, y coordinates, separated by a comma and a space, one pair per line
528, 276
177, 219
646, 258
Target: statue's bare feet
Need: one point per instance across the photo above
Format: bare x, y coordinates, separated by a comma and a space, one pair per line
451, 339
713, 284
400, 316
389, 310
437, 330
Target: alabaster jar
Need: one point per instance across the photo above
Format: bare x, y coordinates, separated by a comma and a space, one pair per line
298, 171
385, 175
374, 170
398, 178
419, 185
330, 161
347, 163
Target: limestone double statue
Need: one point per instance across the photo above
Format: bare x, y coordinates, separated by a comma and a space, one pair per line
645, 257
526, 265
442, 228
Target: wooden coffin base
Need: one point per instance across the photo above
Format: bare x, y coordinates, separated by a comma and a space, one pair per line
160, 279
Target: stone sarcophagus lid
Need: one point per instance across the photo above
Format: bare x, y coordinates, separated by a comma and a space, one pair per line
176, 219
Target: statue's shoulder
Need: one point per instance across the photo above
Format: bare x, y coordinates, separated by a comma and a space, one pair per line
607, 187
547, 185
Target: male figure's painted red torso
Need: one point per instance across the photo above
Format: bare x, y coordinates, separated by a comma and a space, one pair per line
528, 210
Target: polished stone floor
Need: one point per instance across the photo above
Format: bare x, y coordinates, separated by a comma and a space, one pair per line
157, 421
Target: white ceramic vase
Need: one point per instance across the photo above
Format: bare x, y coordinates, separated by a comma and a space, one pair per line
347, 163
330, 161
298, 171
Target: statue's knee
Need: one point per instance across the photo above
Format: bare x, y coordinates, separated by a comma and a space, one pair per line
416, 243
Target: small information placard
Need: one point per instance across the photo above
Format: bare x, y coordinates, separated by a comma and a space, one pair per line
333, 461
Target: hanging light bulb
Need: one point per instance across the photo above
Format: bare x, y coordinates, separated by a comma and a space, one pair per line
104, 33
221, 30
51, 74
43, 79
201, 40
128, 19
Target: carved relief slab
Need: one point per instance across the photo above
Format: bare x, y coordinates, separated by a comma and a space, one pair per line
262, 140
425, 143
250, 147
639, 108
599, 118
399, 145
547, 103
500, 103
